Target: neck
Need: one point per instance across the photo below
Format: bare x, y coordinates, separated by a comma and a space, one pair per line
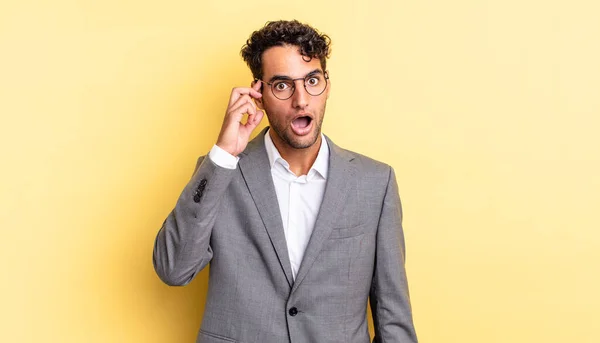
300, 160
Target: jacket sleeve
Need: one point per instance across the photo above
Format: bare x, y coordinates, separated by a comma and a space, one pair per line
182, 248
389, 297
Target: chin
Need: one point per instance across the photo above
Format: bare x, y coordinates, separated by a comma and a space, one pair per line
303, 142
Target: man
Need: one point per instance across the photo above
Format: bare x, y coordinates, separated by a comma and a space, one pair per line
299, 233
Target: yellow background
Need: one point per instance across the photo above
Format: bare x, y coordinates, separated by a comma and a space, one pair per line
488, 110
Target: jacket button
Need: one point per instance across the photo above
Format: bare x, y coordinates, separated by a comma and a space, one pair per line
196, 198
203, 182
293, 311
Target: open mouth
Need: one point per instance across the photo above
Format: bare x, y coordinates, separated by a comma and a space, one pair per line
302, 125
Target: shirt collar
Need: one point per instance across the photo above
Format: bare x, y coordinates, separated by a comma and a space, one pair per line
321, 164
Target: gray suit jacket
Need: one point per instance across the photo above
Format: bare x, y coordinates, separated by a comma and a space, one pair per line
231, 219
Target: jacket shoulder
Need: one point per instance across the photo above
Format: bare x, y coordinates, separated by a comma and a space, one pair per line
366, 164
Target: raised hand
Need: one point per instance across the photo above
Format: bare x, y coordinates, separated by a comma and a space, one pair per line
234, 135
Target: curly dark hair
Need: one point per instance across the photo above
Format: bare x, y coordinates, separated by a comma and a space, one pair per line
311, 43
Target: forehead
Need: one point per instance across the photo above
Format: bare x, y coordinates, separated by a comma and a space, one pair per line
287, 61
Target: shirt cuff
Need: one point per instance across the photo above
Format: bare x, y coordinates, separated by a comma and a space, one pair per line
222, 158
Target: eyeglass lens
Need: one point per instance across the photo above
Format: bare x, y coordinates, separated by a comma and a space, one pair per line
284, 89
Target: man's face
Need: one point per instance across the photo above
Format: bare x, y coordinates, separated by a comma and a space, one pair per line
296, 121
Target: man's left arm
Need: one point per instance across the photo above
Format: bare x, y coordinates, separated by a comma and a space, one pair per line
389, 298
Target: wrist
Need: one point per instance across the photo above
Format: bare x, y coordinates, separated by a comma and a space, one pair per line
226, 149
222, 157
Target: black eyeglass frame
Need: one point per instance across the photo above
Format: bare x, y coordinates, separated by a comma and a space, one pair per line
325, 76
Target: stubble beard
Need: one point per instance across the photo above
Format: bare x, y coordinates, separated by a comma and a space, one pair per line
287, 135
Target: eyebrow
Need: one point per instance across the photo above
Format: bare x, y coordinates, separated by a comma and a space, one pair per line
284, 77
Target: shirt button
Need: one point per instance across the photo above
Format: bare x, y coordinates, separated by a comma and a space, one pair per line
293, 311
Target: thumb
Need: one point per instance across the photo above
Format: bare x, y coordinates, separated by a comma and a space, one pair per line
254, 120
258, 117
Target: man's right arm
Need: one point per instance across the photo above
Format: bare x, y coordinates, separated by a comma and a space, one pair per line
182, 246
182, 249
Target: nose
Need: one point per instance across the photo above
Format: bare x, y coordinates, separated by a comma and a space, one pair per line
300, 97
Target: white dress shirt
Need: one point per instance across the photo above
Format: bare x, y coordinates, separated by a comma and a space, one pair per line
299, 197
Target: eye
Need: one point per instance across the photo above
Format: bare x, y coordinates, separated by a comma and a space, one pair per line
281, 86
313, 81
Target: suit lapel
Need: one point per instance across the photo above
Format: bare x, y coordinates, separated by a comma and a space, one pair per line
336, 188
256, 170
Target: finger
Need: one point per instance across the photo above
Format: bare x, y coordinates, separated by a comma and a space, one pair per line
242, 100
256, 118
238, 113
252, 122
239, 105
236, 93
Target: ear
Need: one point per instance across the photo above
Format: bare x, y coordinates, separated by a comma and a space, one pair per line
259, 101
328, 84
259, 104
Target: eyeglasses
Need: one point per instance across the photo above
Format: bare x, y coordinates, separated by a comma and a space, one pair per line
283, 89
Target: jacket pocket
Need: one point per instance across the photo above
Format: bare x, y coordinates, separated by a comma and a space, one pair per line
209, 337
340, 233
